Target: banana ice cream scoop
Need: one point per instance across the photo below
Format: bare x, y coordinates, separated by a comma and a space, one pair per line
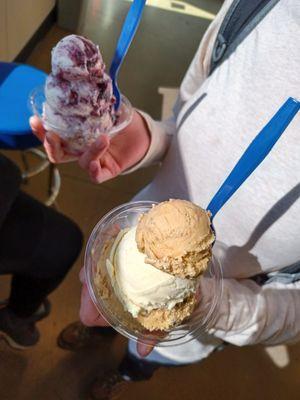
176, 237
157, 299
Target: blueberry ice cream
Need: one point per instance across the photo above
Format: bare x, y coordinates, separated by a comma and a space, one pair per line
79, 98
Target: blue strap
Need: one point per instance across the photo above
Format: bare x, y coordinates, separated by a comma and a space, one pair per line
127, 34
255, 154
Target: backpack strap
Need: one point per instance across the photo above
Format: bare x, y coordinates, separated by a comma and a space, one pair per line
242, 17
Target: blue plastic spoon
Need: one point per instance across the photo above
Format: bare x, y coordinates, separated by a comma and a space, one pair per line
127, 34
254, 154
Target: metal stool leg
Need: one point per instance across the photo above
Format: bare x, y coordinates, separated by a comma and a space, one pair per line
26, 167
54, 183
50, 178
28, 173
54, 180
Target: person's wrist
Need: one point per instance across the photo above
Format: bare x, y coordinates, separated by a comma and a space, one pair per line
144, 129
138, 140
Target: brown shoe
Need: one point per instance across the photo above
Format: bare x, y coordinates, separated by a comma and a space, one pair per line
76, 336
108, 386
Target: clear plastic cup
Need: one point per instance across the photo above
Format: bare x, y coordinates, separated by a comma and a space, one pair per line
78, 143
126, 216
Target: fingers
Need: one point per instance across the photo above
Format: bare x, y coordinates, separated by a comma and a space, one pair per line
144, 349
88, 313
94, 170
82, 275
104, 169
53, 147
94, 152
100, 165
50, 140
55, 151
37, 128
99, 174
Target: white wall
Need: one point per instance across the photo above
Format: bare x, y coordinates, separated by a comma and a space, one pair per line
19, 20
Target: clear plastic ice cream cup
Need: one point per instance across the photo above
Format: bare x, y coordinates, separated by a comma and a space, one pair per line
74, 139
101, 238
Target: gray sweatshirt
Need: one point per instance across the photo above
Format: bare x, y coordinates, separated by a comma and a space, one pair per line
258, 230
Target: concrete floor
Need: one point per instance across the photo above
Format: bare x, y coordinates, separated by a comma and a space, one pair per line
159, 56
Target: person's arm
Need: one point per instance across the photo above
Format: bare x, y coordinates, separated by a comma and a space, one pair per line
250, 314
145, 141
247, 314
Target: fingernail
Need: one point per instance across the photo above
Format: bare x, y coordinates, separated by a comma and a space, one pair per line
32, 122
100, 146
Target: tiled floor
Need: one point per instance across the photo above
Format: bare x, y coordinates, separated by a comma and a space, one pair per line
159, 57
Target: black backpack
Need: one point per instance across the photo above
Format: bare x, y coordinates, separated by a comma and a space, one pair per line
242, 17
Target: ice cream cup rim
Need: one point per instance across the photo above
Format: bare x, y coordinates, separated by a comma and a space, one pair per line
40, 90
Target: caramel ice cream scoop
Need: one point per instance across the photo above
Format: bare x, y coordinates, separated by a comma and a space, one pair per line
176, 237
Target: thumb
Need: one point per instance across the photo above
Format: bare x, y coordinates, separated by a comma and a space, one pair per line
95, 151
82, 275
144, 349
37, 127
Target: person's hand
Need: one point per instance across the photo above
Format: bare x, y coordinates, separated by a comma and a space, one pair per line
90, 316
106, 158
53, 145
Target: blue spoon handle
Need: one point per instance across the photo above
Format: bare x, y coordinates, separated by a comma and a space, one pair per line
255, 154
127, 34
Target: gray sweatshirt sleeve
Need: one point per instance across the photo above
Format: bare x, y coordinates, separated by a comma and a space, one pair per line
250, 314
